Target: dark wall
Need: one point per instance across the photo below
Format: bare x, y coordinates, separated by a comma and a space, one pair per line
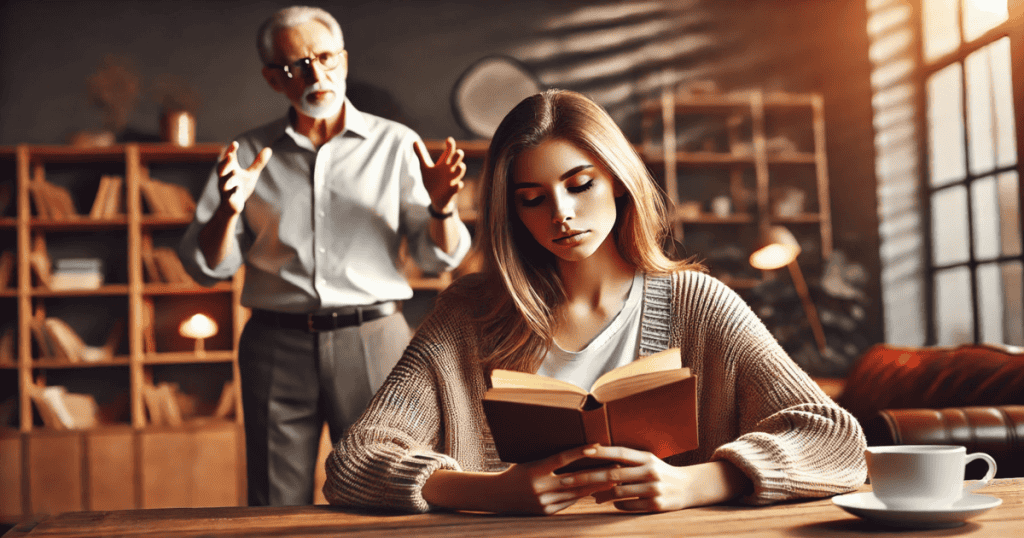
406, 56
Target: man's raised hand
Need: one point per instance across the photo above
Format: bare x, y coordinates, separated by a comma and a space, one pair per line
237, 183
443, 179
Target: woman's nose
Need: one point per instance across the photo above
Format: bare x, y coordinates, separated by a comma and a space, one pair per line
564, 208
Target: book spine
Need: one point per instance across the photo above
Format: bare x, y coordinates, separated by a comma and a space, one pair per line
595, 424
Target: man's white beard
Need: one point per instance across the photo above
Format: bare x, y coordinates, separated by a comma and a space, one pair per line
325, 110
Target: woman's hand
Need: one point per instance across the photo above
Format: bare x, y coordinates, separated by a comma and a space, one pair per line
645, 483
527, 488
534, 488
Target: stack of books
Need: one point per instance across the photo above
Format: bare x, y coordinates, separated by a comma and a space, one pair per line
77, 274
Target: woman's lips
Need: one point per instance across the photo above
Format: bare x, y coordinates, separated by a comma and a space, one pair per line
571, 238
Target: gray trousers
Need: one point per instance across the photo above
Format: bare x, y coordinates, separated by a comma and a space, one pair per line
292, 382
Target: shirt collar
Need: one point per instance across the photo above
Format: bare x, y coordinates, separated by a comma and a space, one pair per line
355, 123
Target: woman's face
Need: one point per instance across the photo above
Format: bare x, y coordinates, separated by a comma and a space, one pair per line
565, 198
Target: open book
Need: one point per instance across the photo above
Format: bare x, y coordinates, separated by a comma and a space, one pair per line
649, 404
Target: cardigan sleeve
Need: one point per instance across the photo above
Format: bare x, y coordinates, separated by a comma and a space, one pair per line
385, 458
793, 441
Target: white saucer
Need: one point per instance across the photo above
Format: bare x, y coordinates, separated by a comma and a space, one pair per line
867, 506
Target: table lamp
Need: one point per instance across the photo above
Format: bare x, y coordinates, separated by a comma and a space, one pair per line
779, 248
200, 327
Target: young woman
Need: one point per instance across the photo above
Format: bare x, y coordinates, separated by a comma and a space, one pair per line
575, 283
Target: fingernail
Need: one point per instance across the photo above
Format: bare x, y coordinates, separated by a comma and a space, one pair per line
567, 481
590, 451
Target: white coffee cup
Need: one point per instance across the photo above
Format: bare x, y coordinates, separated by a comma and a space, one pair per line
922, 477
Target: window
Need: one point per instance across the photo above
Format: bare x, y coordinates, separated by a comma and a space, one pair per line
970, 179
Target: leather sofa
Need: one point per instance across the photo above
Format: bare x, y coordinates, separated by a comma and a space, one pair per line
970, 395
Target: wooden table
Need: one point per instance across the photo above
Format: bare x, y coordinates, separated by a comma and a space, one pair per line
799, 519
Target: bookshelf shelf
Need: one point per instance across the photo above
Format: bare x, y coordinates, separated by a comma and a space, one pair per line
185, 357
52, 364
106, 289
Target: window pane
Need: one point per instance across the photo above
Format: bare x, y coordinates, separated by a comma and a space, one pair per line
1009, 214
954, 317
990, 303
945, 126
1002, 96
990, 108
985, 207
1013, 305
949, 226
981, 16
941, 31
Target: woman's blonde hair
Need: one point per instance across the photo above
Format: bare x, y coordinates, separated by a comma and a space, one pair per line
520, 284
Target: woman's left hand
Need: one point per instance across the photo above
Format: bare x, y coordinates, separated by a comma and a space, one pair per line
645, 483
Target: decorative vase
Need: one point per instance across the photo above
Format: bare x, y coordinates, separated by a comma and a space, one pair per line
178, 127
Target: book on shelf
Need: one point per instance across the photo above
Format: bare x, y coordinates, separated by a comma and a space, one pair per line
52, 202
162, 404
7, 264
7, 355
37, 325
39, 260
109, 200
226, 403
57, 340
77, 274
162, 265
649, 404
167, 199
63, 410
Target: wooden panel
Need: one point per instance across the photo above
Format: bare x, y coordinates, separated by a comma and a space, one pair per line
191, 468
55, 472
10, 477
215, 468
110, 466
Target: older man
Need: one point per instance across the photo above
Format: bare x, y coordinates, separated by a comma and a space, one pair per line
317, 218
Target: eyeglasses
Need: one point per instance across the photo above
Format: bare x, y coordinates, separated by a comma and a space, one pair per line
303, 67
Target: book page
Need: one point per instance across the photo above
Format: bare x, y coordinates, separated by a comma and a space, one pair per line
670, 359
523, 380
629, 386
545, 397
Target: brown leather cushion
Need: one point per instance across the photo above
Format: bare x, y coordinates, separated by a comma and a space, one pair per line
995, 430
890, 377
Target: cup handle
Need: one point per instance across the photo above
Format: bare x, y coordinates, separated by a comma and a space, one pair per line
988, 476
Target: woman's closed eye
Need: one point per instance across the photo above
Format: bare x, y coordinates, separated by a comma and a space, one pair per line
581, 188
530, 202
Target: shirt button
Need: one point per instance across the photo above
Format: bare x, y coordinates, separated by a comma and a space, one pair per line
322, 250
322, 214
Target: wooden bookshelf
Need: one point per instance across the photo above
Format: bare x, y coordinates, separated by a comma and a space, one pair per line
122, 463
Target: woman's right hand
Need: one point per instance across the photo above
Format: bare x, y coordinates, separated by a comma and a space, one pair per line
534, 488
236, 183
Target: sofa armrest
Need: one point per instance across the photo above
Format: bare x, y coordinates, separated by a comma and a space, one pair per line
995, 430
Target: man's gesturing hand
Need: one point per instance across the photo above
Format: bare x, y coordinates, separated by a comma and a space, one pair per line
443, 179
237, 183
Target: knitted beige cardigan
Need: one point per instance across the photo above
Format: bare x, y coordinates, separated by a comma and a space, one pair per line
756, 407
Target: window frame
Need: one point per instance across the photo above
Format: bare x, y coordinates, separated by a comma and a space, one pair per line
1013, 29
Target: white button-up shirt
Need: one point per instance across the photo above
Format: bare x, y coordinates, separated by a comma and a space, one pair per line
323, 227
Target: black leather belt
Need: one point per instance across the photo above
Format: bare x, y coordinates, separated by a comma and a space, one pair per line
329, 321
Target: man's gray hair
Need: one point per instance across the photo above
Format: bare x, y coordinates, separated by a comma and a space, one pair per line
290, 17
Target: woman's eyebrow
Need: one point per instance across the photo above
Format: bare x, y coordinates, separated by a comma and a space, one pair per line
571, 172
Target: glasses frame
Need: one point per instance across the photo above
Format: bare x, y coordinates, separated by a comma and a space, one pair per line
303, 67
